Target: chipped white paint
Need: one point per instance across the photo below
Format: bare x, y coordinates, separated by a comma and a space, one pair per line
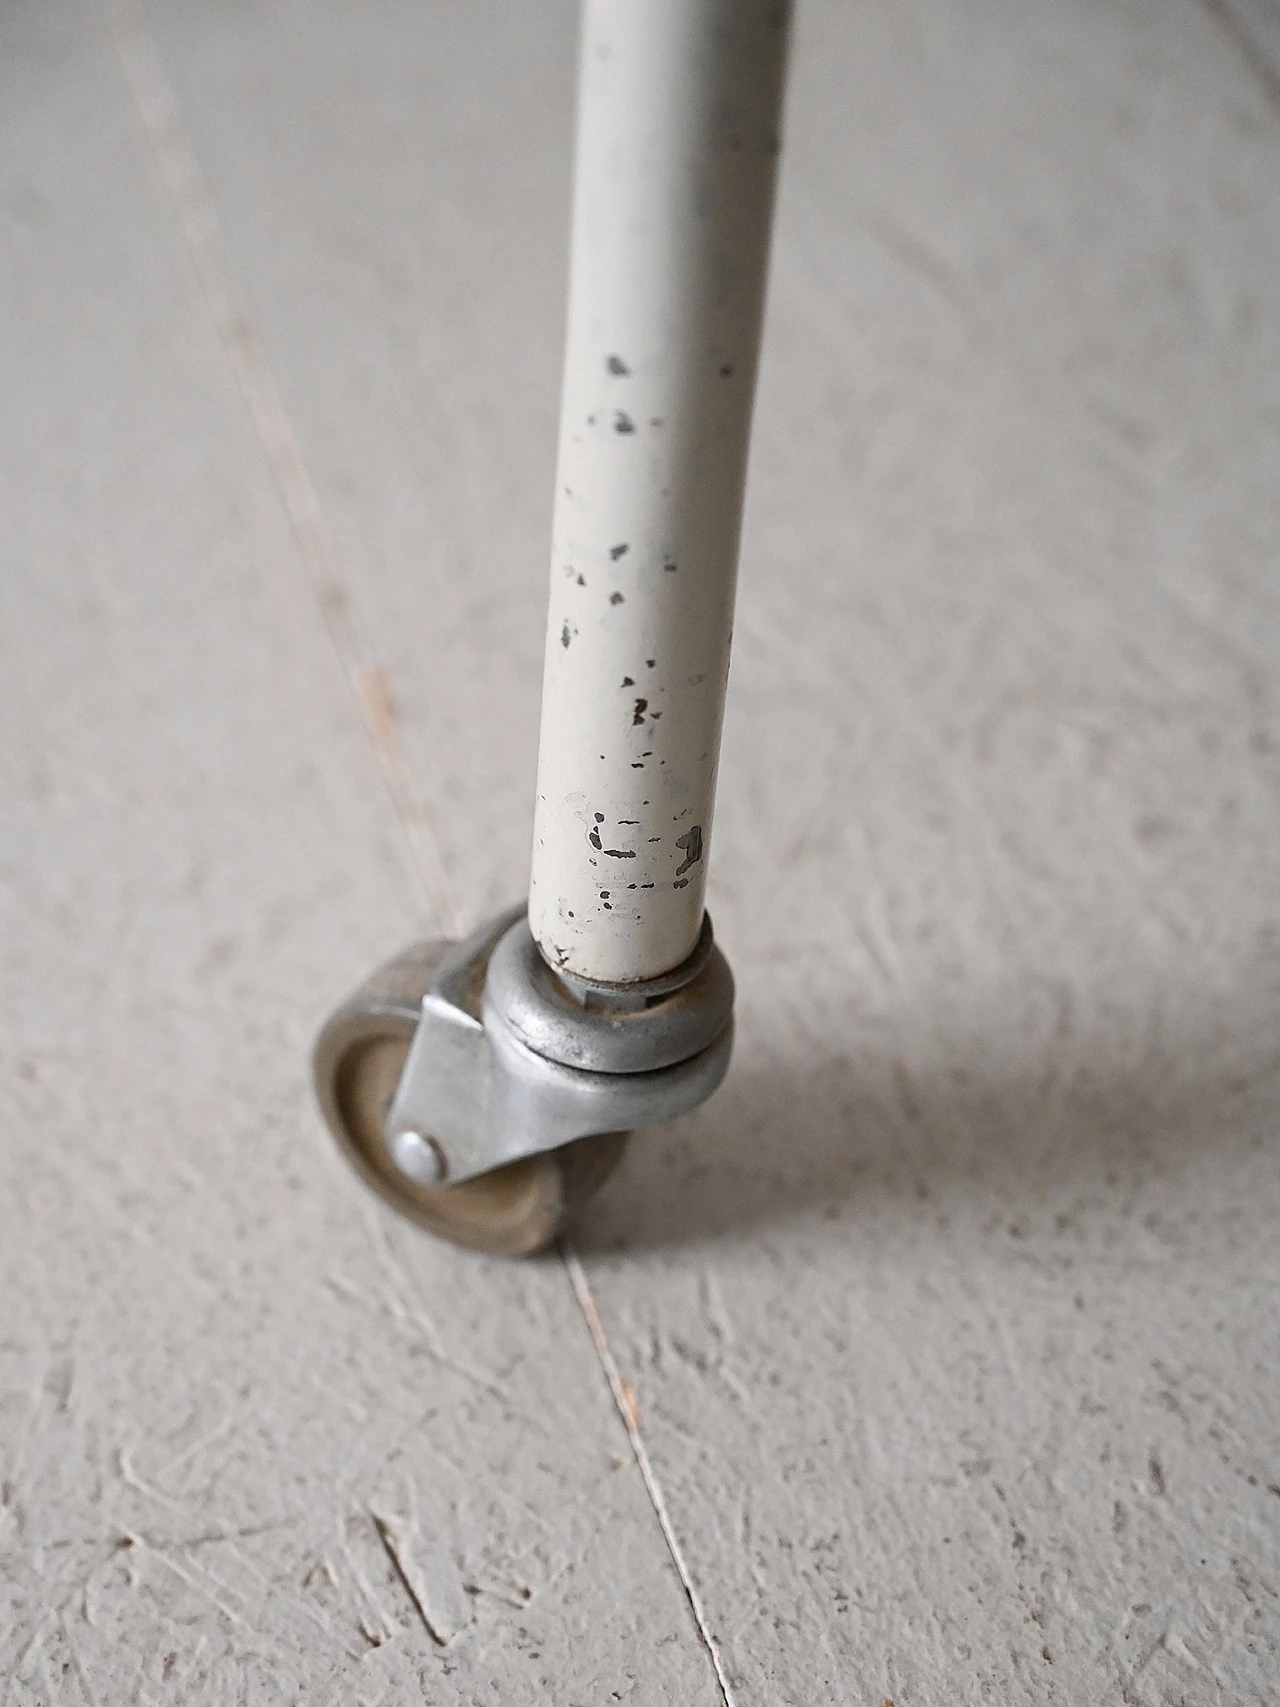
677, 138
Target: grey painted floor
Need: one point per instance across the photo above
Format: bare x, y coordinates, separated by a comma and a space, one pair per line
950, 1331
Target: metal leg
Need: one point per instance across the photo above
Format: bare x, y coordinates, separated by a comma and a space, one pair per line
677, 140
470, 1081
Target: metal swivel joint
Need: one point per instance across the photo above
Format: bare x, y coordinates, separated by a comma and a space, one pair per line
549, 1059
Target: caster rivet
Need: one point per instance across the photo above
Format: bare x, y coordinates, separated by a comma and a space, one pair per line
418, 1157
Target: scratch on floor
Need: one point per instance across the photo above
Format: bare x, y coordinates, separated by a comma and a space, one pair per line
630, 1400
193, 1582
381, 709
130, 1477
398, 1550
625, 1398
211, 1436
193, 206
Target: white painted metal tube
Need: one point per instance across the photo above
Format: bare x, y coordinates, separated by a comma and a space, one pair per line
679, 105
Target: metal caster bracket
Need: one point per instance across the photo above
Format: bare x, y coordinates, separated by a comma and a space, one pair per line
487, 1097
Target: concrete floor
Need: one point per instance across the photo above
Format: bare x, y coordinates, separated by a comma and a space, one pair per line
950, 1329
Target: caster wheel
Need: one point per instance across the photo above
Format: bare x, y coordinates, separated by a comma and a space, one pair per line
359, 1056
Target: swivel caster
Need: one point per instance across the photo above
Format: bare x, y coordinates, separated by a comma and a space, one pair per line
485, 1088
440, 1080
